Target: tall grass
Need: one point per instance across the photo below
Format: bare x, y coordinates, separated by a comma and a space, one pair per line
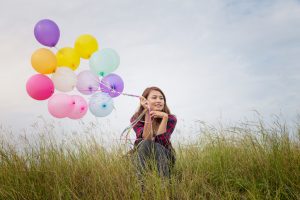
247, 161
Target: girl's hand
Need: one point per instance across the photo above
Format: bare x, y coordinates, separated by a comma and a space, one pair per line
144, 102
158, 114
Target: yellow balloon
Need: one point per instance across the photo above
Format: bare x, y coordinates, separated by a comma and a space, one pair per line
44, 61
68, 57
86, 45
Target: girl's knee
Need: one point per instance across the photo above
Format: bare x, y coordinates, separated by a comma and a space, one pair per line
146, 143
145, 146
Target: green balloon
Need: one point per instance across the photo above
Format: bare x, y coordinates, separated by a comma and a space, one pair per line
104, 61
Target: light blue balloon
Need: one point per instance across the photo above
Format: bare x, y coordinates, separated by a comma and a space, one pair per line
101, 104
104, 61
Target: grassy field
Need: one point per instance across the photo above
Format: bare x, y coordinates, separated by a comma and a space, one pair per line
247, 161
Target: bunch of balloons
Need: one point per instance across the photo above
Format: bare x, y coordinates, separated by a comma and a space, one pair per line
98, 81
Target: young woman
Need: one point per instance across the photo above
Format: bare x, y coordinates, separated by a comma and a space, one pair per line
153, 124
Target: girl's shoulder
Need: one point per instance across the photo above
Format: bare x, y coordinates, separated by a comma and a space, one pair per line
172, 117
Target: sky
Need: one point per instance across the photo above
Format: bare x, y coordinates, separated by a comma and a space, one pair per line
219, 60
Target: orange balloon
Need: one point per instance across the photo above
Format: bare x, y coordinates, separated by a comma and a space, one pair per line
44, 61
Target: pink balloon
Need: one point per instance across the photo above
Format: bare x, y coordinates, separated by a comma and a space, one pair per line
40, 87
61, 105
80, 107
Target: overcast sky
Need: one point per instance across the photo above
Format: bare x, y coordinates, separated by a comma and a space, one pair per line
213, 59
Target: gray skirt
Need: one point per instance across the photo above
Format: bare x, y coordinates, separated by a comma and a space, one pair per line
148, 150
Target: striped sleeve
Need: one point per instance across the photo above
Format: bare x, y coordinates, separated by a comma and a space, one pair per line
165, 137
138, 128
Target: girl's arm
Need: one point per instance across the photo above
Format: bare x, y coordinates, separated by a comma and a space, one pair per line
148, 133
163, 125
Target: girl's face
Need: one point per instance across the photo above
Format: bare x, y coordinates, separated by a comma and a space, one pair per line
156, 100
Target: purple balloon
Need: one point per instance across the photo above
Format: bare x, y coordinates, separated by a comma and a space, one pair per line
112, 84
47, 32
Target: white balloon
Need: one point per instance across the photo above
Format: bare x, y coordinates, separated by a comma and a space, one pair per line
87, 82
64, 79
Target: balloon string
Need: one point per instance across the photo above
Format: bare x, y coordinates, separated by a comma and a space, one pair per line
128, 129
126, 94
148, 109
108, 86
